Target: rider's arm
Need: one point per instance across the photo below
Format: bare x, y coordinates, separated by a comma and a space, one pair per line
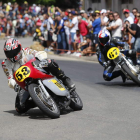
100, 57
6, 65
38, 54
30, 51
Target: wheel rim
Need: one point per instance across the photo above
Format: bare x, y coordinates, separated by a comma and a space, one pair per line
48, 102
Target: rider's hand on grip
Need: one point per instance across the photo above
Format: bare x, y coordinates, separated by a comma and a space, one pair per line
43, 63
16, 88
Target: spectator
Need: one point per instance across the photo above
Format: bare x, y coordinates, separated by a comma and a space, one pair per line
96, 27
61, 34
138, 16
44, 28
82, 12
73, 26
88, 51
127, 16
83, 27
134, 30
104, 19
135, 12
67, 32
8, 7
50, 29
77, 42
116, 27
110, 21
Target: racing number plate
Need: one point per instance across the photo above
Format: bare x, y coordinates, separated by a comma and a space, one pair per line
22, 73
58, 85
113, 53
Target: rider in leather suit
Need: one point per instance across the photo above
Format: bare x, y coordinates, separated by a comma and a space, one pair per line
16, 56
101, 51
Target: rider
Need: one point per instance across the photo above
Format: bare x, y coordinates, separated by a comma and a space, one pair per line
105, 44
16, 56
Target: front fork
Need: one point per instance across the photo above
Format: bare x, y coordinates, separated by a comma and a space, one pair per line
42, 89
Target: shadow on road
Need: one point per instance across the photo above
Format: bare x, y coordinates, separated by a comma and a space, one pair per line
130, 84
37, 114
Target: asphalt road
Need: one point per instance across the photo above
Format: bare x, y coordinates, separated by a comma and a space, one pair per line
111, 109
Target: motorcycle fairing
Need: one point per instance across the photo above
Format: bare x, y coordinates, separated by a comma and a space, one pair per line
56, 87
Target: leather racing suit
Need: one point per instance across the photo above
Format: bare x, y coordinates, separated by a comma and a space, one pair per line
109, 65
22, 103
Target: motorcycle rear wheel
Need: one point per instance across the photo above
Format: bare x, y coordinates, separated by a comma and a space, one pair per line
48, 107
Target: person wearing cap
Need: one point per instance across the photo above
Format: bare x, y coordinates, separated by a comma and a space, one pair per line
82, 12
73, 26
96, 27
8, 7
127, 16
104, 19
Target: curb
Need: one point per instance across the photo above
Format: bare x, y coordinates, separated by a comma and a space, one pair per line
85, 58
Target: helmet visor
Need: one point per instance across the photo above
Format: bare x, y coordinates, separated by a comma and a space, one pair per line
104, 40
13, 53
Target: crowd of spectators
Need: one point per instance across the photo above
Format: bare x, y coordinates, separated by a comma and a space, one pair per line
70, 31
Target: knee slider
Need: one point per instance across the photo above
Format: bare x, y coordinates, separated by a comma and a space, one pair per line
106, 77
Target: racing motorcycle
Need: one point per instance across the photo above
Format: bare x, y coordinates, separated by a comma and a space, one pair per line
48, 93
124, 64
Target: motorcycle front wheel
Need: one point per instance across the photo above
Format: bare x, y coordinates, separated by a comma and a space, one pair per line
46, 105
130, 74
76, 102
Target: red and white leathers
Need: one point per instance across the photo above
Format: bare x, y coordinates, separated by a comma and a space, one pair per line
8, 66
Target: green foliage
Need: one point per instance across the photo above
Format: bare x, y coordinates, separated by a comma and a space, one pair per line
59, 3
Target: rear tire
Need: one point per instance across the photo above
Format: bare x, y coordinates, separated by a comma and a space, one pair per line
41, 105
128, 71
76, 105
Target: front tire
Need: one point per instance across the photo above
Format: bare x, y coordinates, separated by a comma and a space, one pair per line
76, 102
128, 71
40, 102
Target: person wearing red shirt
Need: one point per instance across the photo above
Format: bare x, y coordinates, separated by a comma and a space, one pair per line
135, 12
83, 26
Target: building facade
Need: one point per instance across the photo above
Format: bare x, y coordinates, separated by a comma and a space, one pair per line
114, 5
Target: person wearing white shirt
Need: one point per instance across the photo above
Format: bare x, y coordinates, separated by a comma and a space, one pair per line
127, 16
104, 19
116, 27
50, 29
67, 32
73, 27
